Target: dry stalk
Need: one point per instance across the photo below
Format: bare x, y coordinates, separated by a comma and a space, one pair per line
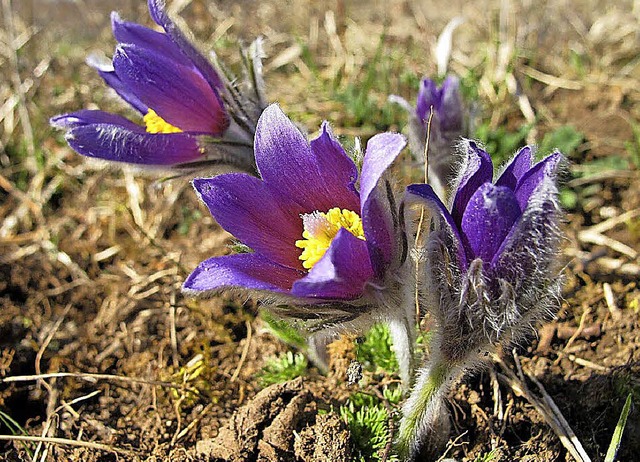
68, 442
93, 378
545, 406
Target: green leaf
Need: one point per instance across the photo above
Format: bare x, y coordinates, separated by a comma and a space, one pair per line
617, 434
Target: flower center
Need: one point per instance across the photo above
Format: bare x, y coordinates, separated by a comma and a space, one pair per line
156, 124
319, 230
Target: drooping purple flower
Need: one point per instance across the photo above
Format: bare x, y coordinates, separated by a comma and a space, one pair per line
492, 272
191, 114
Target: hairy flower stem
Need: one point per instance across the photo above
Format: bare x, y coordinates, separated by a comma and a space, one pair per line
403, 338
425, 423
402, 327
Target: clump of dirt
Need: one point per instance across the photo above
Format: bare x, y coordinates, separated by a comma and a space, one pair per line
279, 424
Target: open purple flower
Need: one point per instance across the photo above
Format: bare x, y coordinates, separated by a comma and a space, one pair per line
492, 272
328, 247
315, 236
191, 114
447, 126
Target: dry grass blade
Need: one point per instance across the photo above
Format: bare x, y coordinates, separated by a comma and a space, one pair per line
18, 88
90, 378
594, 234
82, 444
546, 407
245, 352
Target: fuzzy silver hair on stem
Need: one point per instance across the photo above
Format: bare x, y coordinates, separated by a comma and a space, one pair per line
492, 273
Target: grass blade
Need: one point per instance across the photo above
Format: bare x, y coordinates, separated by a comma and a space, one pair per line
617, 434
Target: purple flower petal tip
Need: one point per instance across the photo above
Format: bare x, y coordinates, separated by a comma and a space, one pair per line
242, 271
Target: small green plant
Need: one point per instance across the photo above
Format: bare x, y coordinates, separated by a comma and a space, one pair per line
487, 457
375, 353
189, 217
364, 99
368, 420
16, 429
282, 368
633, 146
566, 139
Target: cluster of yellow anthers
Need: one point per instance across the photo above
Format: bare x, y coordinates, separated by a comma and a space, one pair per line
319, 230
156, 124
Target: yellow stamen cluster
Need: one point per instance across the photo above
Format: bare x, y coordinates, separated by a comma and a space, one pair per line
156, 124
319, 230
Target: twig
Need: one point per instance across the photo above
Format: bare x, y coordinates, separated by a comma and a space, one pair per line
616, 314
192, 424
82, 444
578, 331
550, 80
452, 444
175, 357
90, 378
421, 221
594, 234
558, 414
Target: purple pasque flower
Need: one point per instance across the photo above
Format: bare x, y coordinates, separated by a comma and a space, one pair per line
492, 272
191, 115
315, 236
328, 245
446, 102
448, 124
507, 226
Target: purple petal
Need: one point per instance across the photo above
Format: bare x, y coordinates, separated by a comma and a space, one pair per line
378, 209
339, 171
160, 16
488, 218
477, 170
450, 112
109, 76
255, 214
120, 144
531, 246
427, 195
291, 166
516, 169
546, 168
177, 93
90, 117
428, 96
341, 273
245, 271
143, 37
